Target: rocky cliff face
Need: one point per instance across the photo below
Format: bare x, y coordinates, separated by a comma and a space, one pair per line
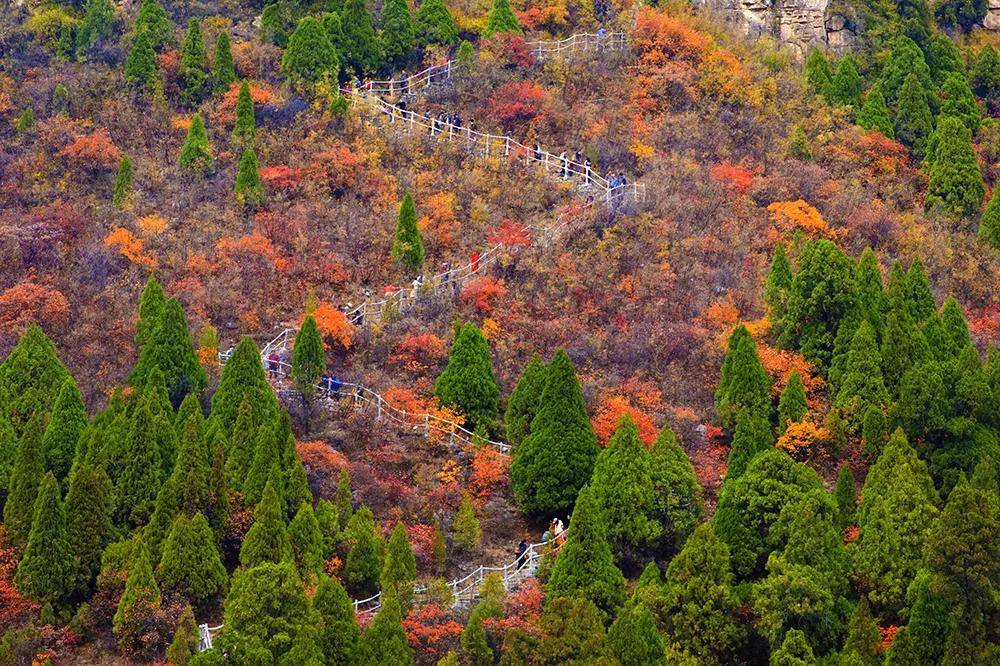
800, 23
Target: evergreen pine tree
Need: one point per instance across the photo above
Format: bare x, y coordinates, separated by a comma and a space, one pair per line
817, 71
267, 457
622, 487
223, 70
986, 73
29, 468
218, 487
792, 406
944, 58
307, 543
170, 348
794, 651
243, 379
476, 649
398, 33
8, 455
267, 540
308, 357
524, 400
154, 23
905, 59
923, 639
585, 566
275, 23
360, 48
699, 608
46, 572
434, 24
874, 114
468, 383
122, 192
914, 121
846, 497
385, 640
677, 496
141, 67
344, 502
136, 488
407, 247
752, 436
196, 154
556, 459
989, 223
88, 522
30, 377
399, 572
193, 72
873, 303
151, 305
339, 633
245, 128
743, 381
958, 101
98, 22
919, 299
248, 188
798, 144
185, 643
903, 346
633, 639
501, 19
190, 563
779, 281
191, 472
861, 385
294, 477
139, 601
158, 527
956, 182
69, 418
845, 86
466, 531
243, 446
864, 641
25, 121
363, 565
266, 609
310, 57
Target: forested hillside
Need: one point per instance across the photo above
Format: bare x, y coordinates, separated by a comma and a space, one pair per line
497, 332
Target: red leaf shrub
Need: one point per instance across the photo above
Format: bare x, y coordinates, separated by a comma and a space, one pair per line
515, 104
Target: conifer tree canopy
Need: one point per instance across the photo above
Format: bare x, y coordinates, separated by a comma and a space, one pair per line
137, 486
360, 48
69, 418
245, 128
190, 563
501, 19
153, 22
677, 496
817, 71
194, 57
170, 347
141, 67
792, 406
956, 182
914, 120
779, 281
88, 522
398, 32
339, 633
267, 540
223, 70
467, 382
633, 639
743, 381
524, 401
556, 459
242, 377
585, 566
30, 378
46, 571
874, 115
248, 188
845, 86
307, 542
752, 436
310, 56
29, 468
986, 73
123, 183
467, 532
308, 356
140, 599
266, 609
407, 247
399, 570
385, 640
363, 564
905, 59
435, 24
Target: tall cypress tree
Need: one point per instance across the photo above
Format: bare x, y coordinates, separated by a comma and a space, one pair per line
919, 298
923, 639
989, 223
623, 489
166, 509
46, 571
435, 24
154, 23
792, 406
8, 455
905, 59
699, 609
191, 472
956, 182
242, 447
524, 400
360, 49
467, 382
193, 72
817, 71
399, 571
30, 378
191, 564
185, 643
223, 70
874, 114
743, 381
307, 543
873, 302
914, 121
308, 357
752, 435
170, 347
862, 385
501, 19
151, 305
557, 458
265, 611
267, 540
310, 57
98, 22
466, 531
407, 247
122, 192
986, 73
677, 496
243, 379
88, 522
136, 488
339, 633
385, 640
267, 457
585, 566
29, 468
196, 154
846, 497
139, 601
634, 640
845, 86
398, 32
363, 564
245, 128
958, 101
141, 68
248, 189
69, 418
779, 281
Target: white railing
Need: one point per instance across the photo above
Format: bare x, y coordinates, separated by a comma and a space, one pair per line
583, 42
401, 299
614, 192
464, 590
333, 391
